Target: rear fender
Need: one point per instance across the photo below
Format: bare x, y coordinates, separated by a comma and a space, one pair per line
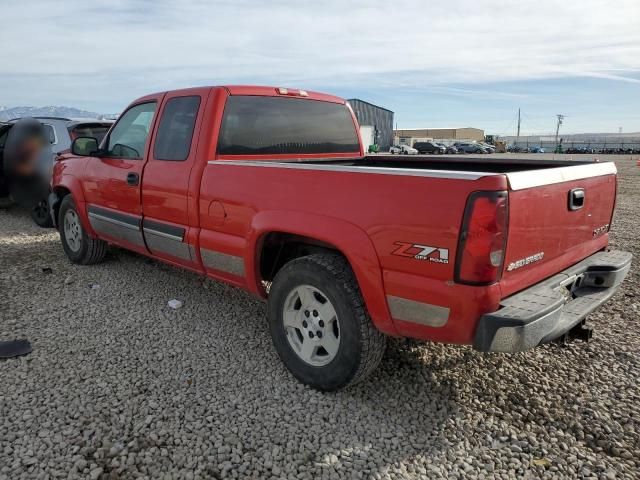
347, 238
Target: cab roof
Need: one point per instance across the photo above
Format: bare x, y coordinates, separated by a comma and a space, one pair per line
275, 92
264, 91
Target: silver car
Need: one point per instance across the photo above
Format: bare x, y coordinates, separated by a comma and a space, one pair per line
60, 132
403, 150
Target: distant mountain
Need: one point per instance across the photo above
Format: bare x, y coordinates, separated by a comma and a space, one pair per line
7, 113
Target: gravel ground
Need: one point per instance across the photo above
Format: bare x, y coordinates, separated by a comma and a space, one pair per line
121, 386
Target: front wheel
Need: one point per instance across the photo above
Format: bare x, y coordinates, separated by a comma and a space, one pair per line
319, 323
77, 244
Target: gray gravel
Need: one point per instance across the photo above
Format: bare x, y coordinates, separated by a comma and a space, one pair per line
120, 385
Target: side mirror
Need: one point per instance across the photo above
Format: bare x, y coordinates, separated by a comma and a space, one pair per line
84, 146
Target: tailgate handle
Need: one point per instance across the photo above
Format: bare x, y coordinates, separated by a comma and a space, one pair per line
576, 199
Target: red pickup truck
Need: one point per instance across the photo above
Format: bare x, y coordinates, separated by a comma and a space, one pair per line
269, 189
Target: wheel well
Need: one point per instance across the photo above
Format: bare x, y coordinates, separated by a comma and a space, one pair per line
61, 192
278, 248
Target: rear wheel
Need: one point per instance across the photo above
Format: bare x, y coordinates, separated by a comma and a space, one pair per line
40, 214
79, 247
319, 323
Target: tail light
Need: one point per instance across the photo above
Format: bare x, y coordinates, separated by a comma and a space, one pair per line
483, 238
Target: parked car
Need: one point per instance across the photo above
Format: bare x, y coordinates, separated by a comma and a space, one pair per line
488, 147
60, 132
536, 150
429, 147
403, 150
465, 147
450, 149
232, 183
618, 151
580, 150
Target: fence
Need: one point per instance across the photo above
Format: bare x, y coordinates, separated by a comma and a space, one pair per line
599, 146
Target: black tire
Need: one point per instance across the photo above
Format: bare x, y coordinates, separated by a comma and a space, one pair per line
361, 345
91, 250
40, 214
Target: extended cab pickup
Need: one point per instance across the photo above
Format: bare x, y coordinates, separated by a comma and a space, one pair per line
269, 189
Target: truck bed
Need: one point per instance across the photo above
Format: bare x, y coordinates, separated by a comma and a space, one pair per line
520, 173
457, 163
541, 223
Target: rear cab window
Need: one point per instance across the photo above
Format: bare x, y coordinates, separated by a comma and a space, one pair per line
257, 125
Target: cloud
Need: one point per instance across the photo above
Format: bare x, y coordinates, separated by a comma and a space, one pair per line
610, 76
103, 53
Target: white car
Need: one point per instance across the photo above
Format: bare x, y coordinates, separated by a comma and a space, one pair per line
403, 150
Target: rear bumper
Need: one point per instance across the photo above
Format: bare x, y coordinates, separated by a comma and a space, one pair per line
551, 308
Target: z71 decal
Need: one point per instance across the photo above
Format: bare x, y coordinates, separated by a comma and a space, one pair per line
421, 252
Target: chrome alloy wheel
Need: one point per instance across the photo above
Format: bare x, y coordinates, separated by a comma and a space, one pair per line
311, 325
72, 230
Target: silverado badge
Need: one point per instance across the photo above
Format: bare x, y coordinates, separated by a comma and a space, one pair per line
536, 257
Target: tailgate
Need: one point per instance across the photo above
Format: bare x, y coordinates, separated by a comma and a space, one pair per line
557, 217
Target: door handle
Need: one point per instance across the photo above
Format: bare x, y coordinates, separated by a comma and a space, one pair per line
576, 199
133, 179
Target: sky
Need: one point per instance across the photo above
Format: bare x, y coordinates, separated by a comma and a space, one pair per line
435, 64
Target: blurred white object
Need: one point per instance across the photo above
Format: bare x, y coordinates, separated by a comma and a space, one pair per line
175, 304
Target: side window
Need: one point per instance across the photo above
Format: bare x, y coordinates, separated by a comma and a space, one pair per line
50, 133
129, 135
3, 137
173, 140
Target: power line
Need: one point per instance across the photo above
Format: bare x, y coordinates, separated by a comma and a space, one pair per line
542, 130
507, 129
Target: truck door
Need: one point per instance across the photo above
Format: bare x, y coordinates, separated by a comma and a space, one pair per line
165, 185
112, 180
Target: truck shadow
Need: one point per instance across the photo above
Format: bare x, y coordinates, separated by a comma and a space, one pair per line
400, 412
218, 346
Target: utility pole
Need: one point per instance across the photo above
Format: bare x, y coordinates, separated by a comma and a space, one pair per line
560, 118
518, 133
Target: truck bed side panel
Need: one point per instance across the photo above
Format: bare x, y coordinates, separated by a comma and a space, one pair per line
392, 210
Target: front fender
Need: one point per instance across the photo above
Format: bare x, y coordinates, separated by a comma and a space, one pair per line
347, 238
69, 183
